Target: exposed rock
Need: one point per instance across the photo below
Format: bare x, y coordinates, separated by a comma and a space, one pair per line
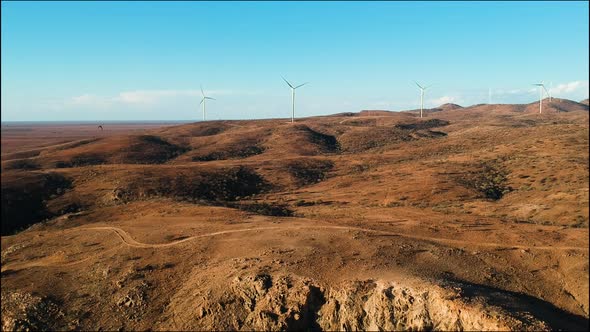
26, 312
266, 302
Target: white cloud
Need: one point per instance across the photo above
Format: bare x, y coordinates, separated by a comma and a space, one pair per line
569, 88
85, 100
145, 97
514, 92
443, 100
153, 96
574, 90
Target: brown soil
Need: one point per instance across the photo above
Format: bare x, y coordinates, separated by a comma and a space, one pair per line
473, 218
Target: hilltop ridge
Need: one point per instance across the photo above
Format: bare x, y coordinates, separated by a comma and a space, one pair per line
471, 217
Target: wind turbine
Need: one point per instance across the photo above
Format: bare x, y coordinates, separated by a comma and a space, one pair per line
422, 89
203, 101
293, 97
541, 88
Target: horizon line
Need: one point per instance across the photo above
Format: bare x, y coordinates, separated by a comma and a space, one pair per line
278, 118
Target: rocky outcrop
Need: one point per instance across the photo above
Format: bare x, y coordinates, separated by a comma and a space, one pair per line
266, 302
26, 312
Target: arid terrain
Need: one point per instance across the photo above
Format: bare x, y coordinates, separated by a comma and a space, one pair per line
471, 218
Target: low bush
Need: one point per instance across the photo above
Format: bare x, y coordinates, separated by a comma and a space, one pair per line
309, 171
228, 184
231, 154
266, 209
488, 178
21, 164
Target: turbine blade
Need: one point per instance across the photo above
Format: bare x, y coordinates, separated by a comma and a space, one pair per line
284, 79
202, 92
300, 85
202, 100
428, 87
210, 98
418, 85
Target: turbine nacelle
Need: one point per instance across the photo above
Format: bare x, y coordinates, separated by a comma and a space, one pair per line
293, 88
542, 85
203, 101
422, 89
291, 85
541, 89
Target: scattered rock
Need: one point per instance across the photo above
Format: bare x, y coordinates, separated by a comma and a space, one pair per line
26, 312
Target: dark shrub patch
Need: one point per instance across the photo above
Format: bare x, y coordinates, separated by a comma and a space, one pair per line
250, 151
23, 199
230, 154
62, 164
76, 144
309, 171
22, 164
266, 209
303, 202
365, 138
149, 149
207, 130
80, 160
154, 140
216, 186
328, 142
432, 123
209, 157
488, 178
86, 160
228, 186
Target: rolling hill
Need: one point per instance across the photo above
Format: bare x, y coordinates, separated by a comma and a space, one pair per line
470, 218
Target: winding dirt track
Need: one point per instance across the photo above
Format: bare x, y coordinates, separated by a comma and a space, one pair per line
131, 242
128, 240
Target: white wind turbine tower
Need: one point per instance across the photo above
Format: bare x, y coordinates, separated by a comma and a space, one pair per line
293, 97
203, 101
422, 89
541, 88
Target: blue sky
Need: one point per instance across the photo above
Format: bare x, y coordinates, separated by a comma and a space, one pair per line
147, 60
